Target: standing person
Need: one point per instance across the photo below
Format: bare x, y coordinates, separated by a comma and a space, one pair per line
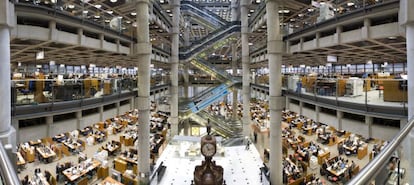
255, 136
247, 144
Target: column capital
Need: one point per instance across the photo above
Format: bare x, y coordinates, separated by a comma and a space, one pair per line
7, 15
405, 16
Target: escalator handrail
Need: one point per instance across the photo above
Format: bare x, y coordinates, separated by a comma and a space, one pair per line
208, 40
198, 7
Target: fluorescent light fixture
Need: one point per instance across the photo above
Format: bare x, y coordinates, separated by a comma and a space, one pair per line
85, 11
38, 66
71, 6
40, 55
300, 15
19, 64
98, 6
392, 37
97, 16
128, 22
331, 58
133, 13
250, 44
109, 12
107, 20
113, 1
350, 4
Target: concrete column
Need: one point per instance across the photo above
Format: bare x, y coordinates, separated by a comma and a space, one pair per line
234, 11
16, 125
317, 111
234, 69
79, 120
7, 21
337, 38
287, 103
369, 120
101, 40
245, 65
301, 41
132, 103
80, 36
118, 106
301, 108
175, 40
143, 52
274, 53
365, 29
52, 30
316, 40
339, 117
101, 112
49, 123
406, 19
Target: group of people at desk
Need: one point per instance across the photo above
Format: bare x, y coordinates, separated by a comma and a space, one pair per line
350, 145
294, 171
337, 169
39, 177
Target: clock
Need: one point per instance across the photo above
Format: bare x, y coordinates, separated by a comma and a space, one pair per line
208, 149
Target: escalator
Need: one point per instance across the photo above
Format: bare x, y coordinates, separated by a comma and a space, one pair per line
206, 42
193, 108
220, 126
202, 15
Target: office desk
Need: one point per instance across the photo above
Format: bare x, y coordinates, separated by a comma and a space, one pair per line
75, 172
110, 181
46, 153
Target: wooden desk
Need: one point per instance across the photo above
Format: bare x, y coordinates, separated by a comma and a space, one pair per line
34, 143
111, 150
41, 177
337, 172
20, 160
79, 173
110, 181
133, 160
362, 151
323, 156
29, 154
46, 153
128, 179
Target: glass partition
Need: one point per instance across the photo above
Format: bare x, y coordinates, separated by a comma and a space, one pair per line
37, 91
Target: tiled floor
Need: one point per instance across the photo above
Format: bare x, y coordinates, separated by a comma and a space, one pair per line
241, 166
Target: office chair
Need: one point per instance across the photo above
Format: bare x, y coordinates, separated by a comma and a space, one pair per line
27, 91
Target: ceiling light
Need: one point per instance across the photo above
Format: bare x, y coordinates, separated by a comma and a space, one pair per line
250, 44
322, 3
292, 20
168, 11
162, 1
258, 1
350, 4
98, 6
97, 16
107, 20
113, 1
109, 11
134, 24
310, 9
71, 6
300, 15
392, 37
128, 22
251, 11
85, 11
133, 13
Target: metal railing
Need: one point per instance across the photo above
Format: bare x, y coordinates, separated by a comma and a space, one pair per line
373, 168
8, 175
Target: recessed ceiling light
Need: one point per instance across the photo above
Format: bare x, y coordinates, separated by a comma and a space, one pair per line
109, 11
71, 6
98, 6
113, 1
134, 13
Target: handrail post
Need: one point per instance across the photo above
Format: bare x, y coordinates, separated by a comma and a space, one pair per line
7, 172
